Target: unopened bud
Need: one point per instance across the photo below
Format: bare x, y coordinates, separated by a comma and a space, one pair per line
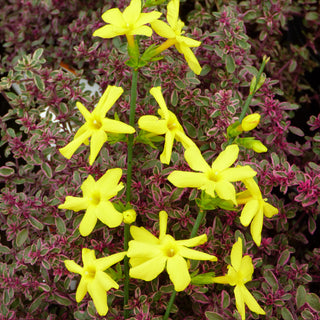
250, 122
258, 146
129, 216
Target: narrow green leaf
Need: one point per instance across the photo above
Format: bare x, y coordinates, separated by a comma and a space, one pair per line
210, 315
37, 54
36, 223
46, 169
61, 226
230, 64
313, 301
22, 236
301, 296
39, 82
4, 249
286, 314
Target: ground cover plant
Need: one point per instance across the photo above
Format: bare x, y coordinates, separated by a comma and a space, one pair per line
186, 186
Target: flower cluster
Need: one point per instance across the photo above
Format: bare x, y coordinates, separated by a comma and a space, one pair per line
149, 255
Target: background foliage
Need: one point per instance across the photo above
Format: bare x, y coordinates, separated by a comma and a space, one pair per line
38, 111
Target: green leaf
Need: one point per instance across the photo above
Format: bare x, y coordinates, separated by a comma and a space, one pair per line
286, 314
313, 301
225, 299
301, 296
61, 226
284, 257
4, 249
230, 65
37, 54
46, 169
22, 236
36, 223
39, 82
271, 279
61, 300
210, 315
6, 171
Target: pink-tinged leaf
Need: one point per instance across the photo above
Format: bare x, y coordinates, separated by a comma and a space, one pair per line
284, 258
311, 225
301, 296
225, 299
46, 169
313, 301
286, 314
22, 236
210, 315
6, 171
61, 299
297, 131
271, 279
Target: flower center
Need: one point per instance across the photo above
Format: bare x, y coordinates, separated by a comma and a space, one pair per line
95, 198
95, 123
212, 175
90, 272
170, 249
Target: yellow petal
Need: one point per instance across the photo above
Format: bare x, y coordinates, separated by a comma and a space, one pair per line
248, 212
188, 42
115, 126
237, 174
142, 30
149, 270
184, 179
225, 190
153, 124
87, 186
88, 256
107, 100
149, 17
165, 156
88, 222
74, 203
157, 94
236, 254
143, 249
86, 114
72, 266
81, 290
109, 31
226, 158
106, 281
108, 184
246, 269
108, 214
99, 296
177, 269
106, 262
113, 16
240, 301
173, 13
98, 138
196, 255
162, 29
143, 235
243, 197
253, 188
184, 139
256, 227
195, 241
163, 220
195, 159
191, 59
250, 301
269, 210
72, 146
132, 12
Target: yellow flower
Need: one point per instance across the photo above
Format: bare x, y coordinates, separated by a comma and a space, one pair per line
150, 255
173, 32
97, 126
95, 200
93, 278
255, 208
168, 125
214, 179
240, 272
131, 22
129, 216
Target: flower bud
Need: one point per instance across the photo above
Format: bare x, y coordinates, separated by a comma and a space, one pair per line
129, 216
250, 122
258, 146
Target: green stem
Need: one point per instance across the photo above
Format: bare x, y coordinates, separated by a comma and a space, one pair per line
194, 231
133, 100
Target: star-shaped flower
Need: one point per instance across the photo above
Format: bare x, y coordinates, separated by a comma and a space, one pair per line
214, 179
97, 125
93, 278
95, 201
150, 255
168, 125
173, 32
131, 22
240, 272
255, 208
